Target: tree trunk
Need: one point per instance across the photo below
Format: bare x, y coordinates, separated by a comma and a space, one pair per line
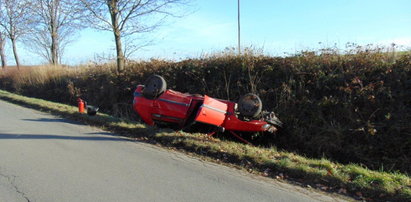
53, 31
120, 54
112, 5
54, 49
16, 57
2, 55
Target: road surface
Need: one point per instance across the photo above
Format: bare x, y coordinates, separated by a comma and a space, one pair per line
45, 158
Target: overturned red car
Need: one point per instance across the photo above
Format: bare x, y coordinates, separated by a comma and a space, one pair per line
158, 105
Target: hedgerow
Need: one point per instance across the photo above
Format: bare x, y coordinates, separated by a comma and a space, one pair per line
352, 107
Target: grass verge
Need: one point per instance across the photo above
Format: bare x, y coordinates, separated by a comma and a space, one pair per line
353, 180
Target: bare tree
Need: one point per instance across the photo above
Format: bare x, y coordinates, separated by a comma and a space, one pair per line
133, 44
2, 46
55, 22
127, 17
14, 19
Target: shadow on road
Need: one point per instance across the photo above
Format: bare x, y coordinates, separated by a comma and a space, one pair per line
60, 137
53, 120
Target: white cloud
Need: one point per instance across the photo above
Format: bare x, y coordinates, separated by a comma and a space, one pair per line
406, 42
403, 41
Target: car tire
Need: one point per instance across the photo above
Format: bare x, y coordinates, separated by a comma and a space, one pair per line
250, 105
154, 86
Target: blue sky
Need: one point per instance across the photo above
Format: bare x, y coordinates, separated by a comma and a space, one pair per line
273, 26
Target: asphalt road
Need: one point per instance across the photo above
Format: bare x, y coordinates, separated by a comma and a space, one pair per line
46, 158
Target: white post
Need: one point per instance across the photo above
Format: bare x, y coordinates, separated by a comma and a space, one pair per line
238, 22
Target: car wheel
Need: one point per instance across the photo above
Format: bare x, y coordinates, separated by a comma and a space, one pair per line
250, 105
154, 86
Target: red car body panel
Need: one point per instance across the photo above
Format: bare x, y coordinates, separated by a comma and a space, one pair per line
212, 112
232, 123
179, 108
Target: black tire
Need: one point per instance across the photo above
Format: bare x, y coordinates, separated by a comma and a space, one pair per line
92, 110
250, 105
154, 86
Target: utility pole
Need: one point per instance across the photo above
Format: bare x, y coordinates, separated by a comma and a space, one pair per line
238, 23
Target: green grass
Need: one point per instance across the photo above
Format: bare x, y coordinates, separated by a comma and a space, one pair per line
323, 174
